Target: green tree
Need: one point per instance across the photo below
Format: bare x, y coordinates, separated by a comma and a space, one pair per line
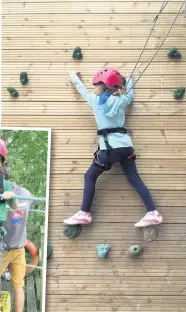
27, 160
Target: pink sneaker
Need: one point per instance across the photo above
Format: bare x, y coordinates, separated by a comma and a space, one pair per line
80, 217
151, 218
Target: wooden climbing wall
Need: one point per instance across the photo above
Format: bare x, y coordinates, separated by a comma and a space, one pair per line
39, 37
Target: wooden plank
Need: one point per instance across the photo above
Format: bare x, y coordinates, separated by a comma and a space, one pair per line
90, 43
121, 302
86, 19
71, 95
119, 198
119, 182
119, 264
31, 299
72, 138
159, 68
54, 55
159, 123
118, 286
91, 8
109, 1
157, 166
85, 31
108, 212
74, 150
159, 251
51, 108
55, 82
102, 214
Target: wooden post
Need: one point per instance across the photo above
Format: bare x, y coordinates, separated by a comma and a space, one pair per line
185, 10
42, 229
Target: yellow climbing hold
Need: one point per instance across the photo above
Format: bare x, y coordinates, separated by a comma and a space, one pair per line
5, 301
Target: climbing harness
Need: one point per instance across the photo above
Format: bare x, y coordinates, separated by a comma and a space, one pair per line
166, 35
105, 133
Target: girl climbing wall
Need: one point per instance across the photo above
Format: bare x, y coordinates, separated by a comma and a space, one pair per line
108, 103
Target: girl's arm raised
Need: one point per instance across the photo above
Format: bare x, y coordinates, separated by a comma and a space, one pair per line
88, 96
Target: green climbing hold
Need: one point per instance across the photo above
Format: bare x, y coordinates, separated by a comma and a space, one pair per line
13, 92
49, 251
174, 53
179, 93
77, 53
102, 250
23, 78
72, 231
135, 250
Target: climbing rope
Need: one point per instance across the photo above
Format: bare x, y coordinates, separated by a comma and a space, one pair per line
155, 21
166, 35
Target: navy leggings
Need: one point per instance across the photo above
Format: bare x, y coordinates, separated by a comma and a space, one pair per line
129, 169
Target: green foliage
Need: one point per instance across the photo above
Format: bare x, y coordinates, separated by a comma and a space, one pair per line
27, 158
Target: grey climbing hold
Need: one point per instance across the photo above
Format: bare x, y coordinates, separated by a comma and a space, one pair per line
150, 233
135, 250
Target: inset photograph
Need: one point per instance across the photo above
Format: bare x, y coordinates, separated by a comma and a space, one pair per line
24, 194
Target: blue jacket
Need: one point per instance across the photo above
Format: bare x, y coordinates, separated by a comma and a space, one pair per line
108, 115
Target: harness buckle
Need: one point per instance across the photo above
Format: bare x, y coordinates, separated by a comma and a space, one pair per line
98, 163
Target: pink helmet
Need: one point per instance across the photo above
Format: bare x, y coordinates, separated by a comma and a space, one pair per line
110, 76
3, 148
